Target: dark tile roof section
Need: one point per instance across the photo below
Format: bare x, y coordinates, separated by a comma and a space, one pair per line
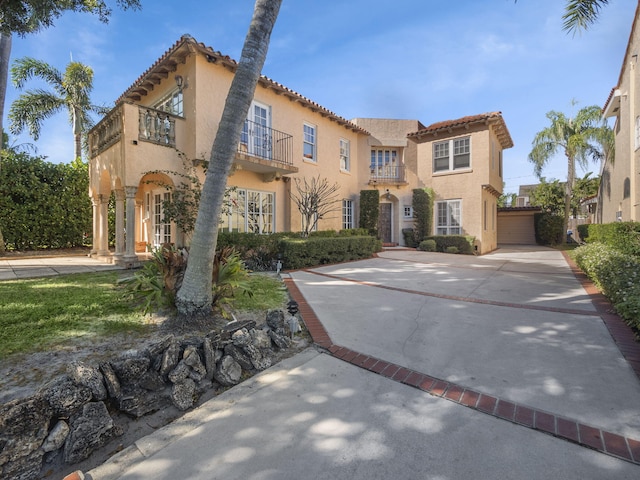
186, 46
447, 127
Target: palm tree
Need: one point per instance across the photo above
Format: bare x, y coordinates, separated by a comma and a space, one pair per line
195, 296
71, 91
583, 138
580, 14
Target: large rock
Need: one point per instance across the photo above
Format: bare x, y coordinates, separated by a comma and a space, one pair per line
239, 356
281, 342
275, 320
212, 356
88, 376
258, 360
152, 380
230, 328
183, 394
24, 425
228, 372
170, 358
192, 358
241, 338
89, 431
130, 370
260, 339
56, 437
65, 396
110, 380
180, 373
137, 401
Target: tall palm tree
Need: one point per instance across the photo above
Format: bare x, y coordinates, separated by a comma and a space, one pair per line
195, 296
584, 138
71, 91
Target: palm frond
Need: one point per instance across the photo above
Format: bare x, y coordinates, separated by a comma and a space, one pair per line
30, 109
24, 69
580, 14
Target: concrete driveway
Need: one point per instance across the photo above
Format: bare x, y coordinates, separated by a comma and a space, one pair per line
433, 366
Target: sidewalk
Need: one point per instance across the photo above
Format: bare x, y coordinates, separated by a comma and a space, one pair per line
20, 268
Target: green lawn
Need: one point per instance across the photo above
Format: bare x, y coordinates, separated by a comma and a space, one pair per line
39, 313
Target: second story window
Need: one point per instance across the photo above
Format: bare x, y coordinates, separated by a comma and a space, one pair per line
309, 142
171, 104
452, 154
345, 161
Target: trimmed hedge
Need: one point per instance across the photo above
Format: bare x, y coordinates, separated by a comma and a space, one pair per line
617, 274
464, 243
369, 211
548, 229
423, 212
302, 253
409, 236
623, 236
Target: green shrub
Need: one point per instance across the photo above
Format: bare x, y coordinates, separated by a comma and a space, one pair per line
623, 236
583, 232
548, 229
423, 212
427, 245
258, 252
409, 236
464, 243
302, 253
452, 249
616, 274
369, 211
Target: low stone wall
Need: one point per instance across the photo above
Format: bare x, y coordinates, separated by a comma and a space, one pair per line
72, 415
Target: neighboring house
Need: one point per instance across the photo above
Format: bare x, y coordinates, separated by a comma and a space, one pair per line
524, 195
619, 195
172, 111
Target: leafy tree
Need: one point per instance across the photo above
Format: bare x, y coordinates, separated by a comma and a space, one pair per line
195, 296
29, 16
582, 138
315, 199
507, 200
71, 91
549, 196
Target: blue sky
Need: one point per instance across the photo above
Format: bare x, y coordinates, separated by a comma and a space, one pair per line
411, 59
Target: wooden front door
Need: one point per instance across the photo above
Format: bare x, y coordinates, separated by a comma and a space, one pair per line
384, 223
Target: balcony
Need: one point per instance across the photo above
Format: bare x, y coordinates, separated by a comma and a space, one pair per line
387, 175
265, 150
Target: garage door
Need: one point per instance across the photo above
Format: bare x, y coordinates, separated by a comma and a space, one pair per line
516, 229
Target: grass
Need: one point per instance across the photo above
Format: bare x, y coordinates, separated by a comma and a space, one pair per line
39, 313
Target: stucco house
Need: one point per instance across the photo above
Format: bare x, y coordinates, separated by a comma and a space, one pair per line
619, 195
171, 113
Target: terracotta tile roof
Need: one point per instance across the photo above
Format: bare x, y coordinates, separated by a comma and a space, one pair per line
450, 126
187, 45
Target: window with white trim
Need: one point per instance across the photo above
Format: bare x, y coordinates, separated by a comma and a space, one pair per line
309, 142
449, 217
408, 211
345, 160
347, 214
454, 154
172, 103
250, 211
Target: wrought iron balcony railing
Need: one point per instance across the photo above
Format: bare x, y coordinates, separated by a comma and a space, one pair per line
266, 143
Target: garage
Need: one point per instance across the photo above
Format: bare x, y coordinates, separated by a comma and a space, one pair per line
516, 226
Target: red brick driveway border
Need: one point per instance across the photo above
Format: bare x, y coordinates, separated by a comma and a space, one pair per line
561, 427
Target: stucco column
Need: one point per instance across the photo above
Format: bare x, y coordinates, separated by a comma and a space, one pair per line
120, 196
103, 225
94, 234
130, 254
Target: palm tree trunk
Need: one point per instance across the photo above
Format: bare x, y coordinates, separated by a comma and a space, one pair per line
77, 133
5, 53
195, 296
571, 177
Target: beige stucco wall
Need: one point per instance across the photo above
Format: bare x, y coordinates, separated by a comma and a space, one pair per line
620, 189
467, 184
